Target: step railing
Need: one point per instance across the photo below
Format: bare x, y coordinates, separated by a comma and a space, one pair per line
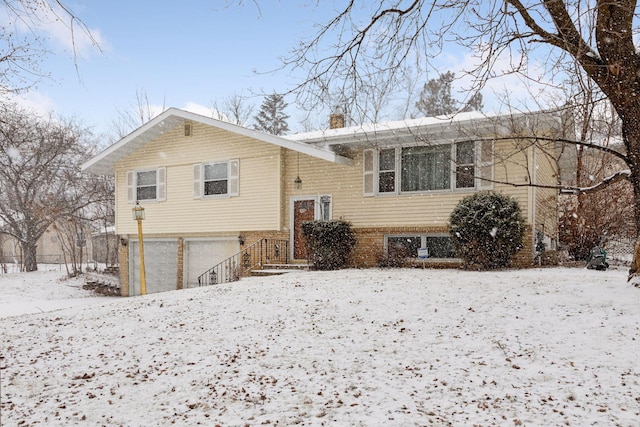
264, 251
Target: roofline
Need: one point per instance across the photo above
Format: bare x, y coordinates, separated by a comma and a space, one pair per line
394, 129
97, 163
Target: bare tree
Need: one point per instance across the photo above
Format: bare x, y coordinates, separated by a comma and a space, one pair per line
40, 179
23, 42
597, 36
234, 109
136, 115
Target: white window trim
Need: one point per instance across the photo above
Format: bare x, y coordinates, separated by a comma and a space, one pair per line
317, 213
423, 244
233, 179
480, 184
161, 185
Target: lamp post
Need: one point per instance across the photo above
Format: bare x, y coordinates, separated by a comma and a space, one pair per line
138, 215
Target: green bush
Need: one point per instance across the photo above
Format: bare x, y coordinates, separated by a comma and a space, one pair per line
329, 243
487, 229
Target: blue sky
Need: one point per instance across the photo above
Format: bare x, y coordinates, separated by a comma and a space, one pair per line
186, 54
182, 54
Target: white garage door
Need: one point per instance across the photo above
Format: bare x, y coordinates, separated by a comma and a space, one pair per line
201, 255
161, 266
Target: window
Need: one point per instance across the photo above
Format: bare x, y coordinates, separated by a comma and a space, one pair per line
440, 247
465, 164
325, 208
426, 168
401, 247
387, 171
146, 185
406, 246
216, 179
441, 167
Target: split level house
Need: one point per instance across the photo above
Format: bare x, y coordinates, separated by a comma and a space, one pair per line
220, 199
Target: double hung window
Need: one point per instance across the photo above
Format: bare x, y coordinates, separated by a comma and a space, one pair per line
427, 168
216, 179
146, 185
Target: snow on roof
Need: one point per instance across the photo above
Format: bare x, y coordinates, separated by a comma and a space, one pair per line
390, 126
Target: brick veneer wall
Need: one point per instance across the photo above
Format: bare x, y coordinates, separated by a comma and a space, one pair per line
369, 249
123, 259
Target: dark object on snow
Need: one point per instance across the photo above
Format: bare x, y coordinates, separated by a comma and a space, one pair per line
597, 259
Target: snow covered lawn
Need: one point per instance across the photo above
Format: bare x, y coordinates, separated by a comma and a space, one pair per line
540, 347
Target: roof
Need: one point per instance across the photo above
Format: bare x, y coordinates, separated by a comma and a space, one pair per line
453, 127
104, 162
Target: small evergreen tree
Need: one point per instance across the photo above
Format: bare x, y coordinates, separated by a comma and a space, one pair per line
436, 100
271, 118
329, 243
487, 229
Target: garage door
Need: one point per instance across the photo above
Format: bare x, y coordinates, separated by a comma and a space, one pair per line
201, 255
161, 266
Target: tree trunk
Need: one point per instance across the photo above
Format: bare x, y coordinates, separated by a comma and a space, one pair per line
631, 135
29, 250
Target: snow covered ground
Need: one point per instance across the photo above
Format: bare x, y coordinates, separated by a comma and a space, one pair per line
539, 347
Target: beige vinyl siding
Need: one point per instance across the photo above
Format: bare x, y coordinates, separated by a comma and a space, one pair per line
546, 198
256, 208
345, 185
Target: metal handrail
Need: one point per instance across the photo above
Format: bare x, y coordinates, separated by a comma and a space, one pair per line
264, 251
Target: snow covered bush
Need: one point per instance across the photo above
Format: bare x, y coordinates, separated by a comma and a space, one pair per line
487, 229
329, 243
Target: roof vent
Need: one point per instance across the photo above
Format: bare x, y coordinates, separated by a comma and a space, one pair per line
187, 129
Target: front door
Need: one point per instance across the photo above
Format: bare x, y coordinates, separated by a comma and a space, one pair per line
303, 210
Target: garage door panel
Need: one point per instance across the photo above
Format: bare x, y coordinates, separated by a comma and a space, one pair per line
201, 255
161, 266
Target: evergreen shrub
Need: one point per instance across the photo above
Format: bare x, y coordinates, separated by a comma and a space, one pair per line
329, 243
487, 229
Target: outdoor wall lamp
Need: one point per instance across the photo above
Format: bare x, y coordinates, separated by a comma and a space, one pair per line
123, 241
241, 240
298, 181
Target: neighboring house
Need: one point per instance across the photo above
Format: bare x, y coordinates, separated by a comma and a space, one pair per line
49, 249
104, 246
211, 189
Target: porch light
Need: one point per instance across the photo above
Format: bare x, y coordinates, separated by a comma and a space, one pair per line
298, 181
138, 215
138, 212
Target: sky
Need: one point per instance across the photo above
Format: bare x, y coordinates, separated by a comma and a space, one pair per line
186, 55
181, 54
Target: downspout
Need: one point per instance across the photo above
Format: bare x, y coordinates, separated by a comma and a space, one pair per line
533, 194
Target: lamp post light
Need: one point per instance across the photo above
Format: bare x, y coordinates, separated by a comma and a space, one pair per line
138, 215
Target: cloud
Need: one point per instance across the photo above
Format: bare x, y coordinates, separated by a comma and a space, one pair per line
206, 111
35, 102
505, 90
55, 26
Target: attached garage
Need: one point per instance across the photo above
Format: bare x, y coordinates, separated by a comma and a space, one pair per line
161, 265
202, 254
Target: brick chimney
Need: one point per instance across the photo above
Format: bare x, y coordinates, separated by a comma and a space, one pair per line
336, 121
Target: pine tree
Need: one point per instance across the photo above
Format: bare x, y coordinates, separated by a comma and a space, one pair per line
436, 100
271, 118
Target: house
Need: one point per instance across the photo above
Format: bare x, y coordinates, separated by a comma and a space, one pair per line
213, 191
